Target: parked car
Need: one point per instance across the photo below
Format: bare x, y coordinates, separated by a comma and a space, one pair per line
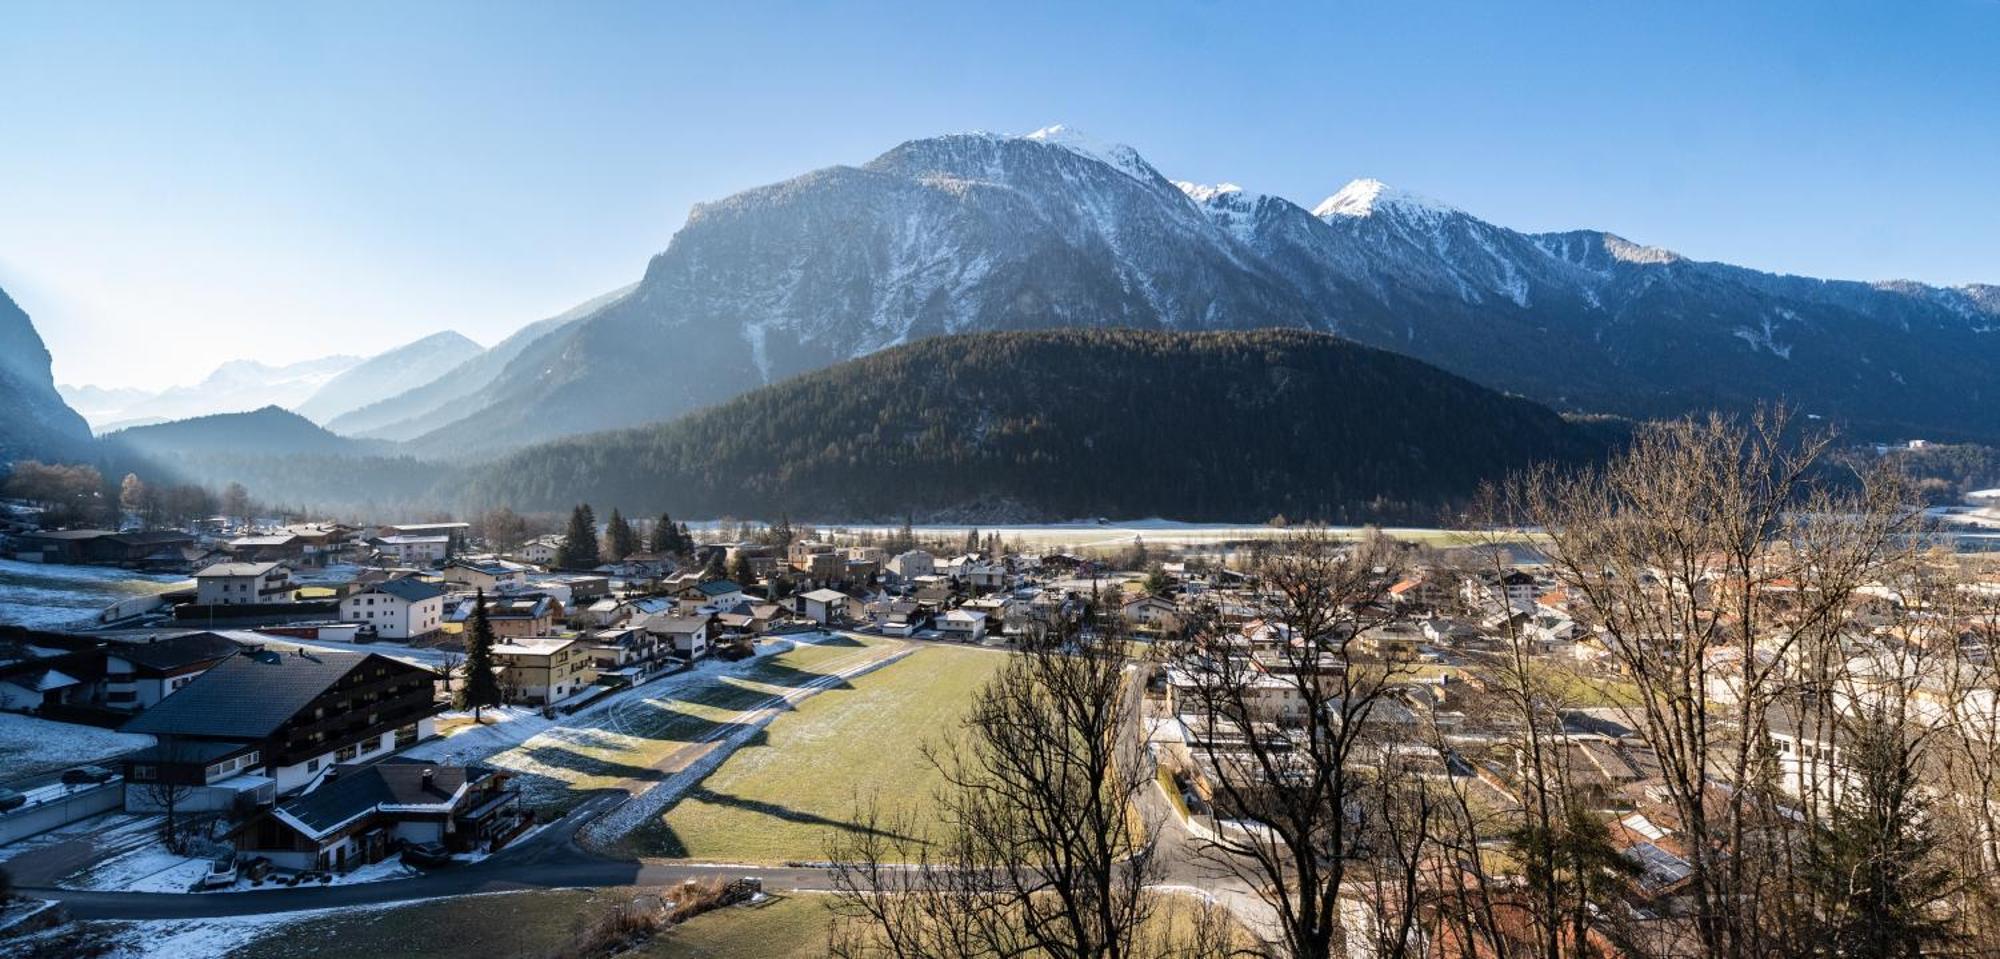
85, 775
9, 799
221, 872
426, 855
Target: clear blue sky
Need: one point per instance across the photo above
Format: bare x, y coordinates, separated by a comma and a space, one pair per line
184, 183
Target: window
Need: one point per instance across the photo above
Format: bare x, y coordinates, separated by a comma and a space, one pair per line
144, 774
406, 735
345, 753
312, 765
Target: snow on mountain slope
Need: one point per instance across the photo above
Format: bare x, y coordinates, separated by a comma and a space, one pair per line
979, 232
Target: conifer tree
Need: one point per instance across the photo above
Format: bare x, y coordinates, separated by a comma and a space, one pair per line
579, 545
666, 537
482, 689
619, 537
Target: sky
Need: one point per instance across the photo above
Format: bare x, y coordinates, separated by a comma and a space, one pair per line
184, 183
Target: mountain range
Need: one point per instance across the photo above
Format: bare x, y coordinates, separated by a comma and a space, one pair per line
234, 386
980, 233
977, 232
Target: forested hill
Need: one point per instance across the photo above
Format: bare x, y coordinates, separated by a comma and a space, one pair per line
1063, 424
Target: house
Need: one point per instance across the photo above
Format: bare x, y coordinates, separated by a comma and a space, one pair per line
492, 576
243, 584
998, 609
412, 549
685, 636
268, 548
624, 654
821, 561
138, 675
823, 606
354, 815
719, 594
543, 670
907, 566
540, 551
1397, 642
297, 712
521, 614
404, 608
897, 618
963, 625
1152, 611
1513, 589
137, 548
984, 575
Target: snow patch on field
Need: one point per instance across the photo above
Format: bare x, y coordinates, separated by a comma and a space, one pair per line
30, 746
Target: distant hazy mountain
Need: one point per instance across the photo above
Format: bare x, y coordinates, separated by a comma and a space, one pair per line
269, 431
387, 374
283, 458
413, 412
233, 387
1062, 424
976, 232
34, 421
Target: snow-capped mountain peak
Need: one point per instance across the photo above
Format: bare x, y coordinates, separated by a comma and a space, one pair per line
1203, 193
1368, 196
1118, 156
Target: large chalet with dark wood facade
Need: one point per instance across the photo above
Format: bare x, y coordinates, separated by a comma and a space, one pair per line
282, 715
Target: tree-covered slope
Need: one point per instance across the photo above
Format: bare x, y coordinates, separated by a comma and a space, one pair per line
1061, 424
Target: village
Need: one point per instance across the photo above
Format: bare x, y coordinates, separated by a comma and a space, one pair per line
304, 712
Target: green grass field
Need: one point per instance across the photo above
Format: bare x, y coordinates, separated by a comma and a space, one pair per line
621, 746
789, 791
530, 925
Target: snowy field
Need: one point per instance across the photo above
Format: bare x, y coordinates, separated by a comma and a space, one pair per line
44, 596
31, 747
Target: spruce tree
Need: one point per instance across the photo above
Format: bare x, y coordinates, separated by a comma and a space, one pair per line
482, 689
664, 539
579, 545
622, 541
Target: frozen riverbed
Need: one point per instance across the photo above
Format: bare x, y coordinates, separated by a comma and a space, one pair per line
45, 596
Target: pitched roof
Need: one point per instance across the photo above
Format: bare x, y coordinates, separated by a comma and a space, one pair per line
250, 696
237, 569
175, 652
719, 587
409, 589
349, 791
824, 596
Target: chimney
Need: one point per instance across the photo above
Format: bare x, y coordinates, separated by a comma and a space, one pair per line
429, 775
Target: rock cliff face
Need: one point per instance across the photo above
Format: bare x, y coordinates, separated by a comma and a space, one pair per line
35, 423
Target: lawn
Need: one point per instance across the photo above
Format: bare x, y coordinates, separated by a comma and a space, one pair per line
786, 793
537, 924
621, 746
